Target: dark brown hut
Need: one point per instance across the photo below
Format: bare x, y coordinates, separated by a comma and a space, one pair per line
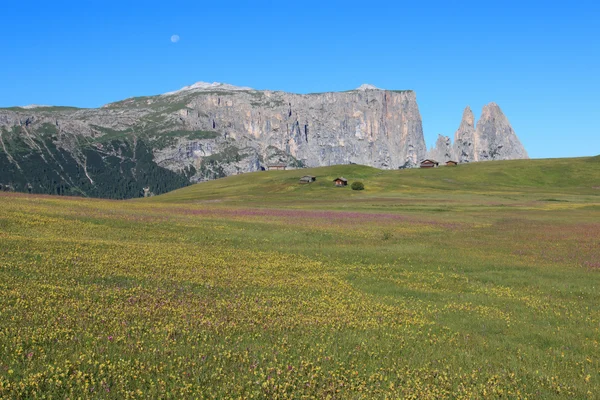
341, 181
429, 163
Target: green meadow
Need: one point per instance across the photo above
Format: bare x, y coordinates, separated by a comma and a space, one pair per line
469, 282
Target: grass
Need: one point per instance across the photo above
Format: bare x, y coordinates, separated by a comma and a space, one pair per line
479, 281
159, 136
507, 180
109, 134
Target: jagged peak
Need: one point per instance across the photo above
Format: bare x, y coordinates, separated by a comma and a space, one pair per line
490, 106
208, 87
468, 116
491, 109
466, 128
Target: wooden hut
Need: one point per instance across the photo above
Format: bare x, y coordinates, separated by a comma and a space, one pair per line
307, 179
341, 181
429, 163
451, 163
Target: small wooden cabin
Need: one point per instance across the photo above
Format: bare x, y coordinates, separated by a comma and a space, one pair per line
429, 163
341, 181
307, 179
451, 163
276, 167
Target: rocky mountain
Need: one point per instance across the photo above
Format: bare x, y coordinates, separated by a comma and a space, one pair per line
492, 138
154, 144
203, 131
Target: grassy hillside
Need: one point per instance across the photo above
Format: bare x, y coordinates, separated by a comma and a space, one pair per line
547, 179
479, 281
567, 176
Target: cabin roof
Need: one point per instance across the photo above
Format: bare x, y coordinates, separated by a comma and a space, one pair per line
429, 160
341, 179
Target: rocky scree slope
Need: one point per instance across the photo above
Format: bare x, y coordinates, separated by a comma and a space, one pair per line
203, 131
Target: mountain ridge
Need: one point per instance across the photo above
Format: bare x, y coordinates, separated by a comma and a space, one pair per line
201, 132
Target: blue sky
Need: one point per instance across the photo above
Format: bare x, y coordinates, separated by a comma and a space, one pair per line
539, 61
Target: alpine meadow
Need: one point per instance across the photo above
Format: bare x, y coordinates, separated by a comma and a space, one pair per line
468, 282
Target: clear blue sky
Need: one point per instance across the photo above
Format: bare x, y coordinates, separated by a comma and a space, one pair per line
540, 61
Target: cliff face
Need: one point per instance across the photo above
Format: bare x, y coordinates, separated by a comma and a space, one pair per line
492, 138
372, 127
201, 132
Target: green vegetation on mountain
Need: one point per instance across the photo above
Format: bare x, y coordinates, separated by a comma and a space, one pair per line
168, 138
33, 164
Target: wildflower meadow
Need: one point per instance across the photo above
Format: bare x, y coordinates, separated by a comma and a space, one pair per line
477, 282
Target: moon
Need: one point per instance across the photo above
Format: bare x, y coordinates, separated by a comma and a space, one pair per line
175, 38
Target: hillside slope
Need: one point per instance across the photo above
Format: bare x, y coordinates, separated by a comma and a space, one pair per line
567, 176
